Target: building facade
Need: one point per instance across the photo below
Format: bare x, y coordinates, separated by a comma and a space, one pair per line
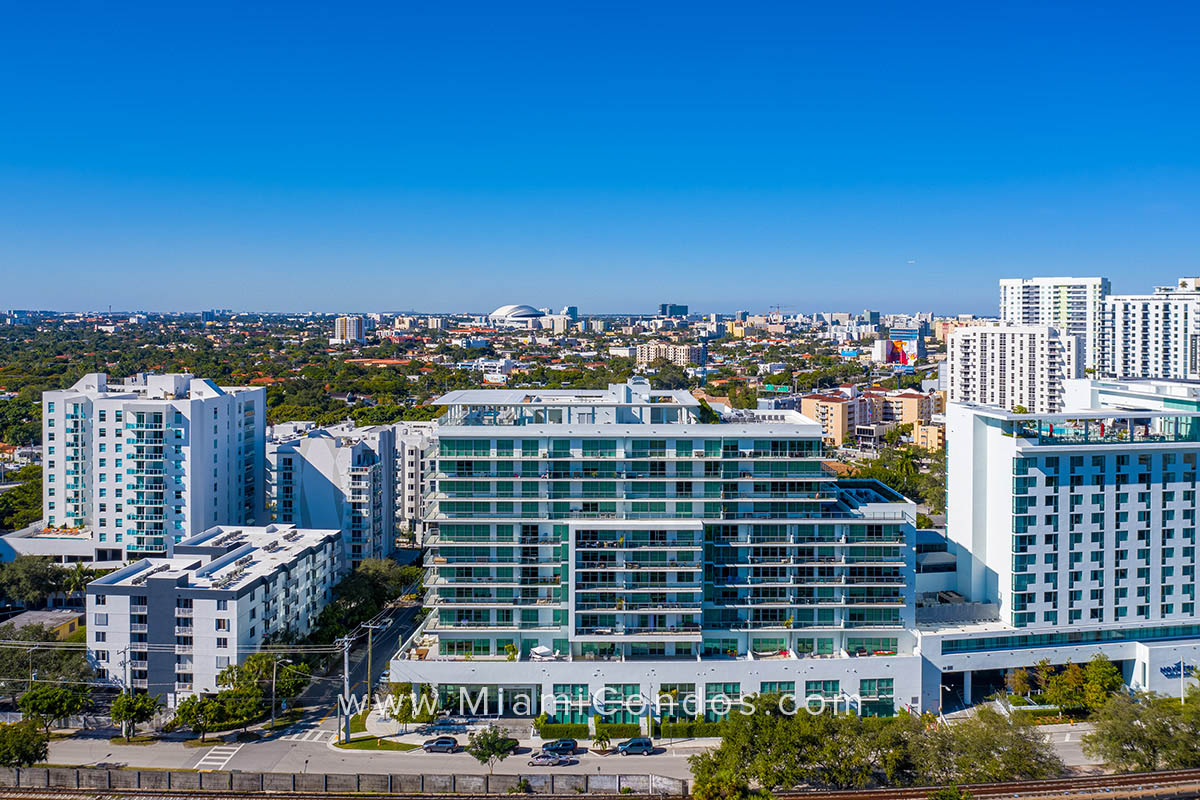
348, 330
170, 625
1012, 365
1072, 305
415, 462
341, 477
1153, 335
150, 461
607, 541
681, 355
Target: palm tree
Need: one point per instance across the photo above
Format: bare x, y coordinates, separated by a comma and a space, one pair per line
76, 580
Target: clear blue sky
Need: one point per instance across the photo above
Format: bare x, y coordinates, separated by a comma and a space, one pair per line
340, 156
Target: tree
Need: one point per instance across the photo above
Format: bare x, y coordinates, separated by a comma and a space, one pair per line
489, 746
22, 504
988, 747
75, 581
1132, 733
45, 703
601, 740
1043, 671
23, 744
1018, 681
134, 709
1101, 680
30, 580
201, 714
1066, 688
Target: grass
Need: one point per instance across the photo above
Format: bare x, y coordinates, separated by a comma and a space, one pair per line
358, 723
209, 742
141, 738
375, 743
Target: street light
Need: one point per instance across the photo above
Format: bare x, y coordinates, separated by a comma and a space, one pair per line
274, 667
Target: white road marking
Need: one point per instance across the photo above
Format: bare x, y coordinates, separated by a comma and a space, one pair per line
310, 735
217, 757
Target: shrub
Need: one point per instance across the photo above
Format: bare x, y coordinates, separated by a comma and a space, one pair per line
691, 730
621, 730
561, 731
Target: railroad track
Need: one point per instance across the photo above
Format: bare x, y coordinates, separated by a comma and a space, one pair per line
1173, 784
1143, 784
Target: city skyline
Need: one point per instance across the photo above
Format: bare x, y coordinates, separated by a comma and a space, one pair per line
283, 158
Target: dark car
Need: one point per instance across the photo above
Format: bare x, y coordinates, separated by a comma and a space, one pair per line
545, 759
510, 745
442, 744
641, 746
561, 747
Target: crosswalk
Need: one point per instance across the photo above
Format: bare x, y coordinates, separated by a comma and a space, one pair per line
219, 756
311, 735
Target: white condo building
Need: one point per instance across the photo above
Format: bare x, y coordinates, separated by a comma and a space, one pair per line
342, 477
145, 463
348, 330
415, 459
1012, 365
598, 546
1072, 305
1153, 335
170, 625
612, 543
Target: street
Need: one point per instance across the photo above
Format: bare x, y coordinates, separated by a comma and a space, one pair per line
309, 749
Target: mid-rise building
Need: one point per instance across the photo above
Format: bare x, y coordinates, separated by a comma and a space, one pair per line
342, 477
145, 463
170, 625
1153, 335
348, 330
929, 435
681, 355
1072, 305
672, 310
838, 413
416, 456
1012, 366
626, 547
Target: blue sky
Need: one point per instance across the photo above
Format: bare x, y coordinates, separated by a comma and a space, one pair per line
307, 156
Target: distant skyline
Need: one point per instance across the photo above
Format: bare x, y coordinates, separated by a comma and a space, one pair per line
302, 156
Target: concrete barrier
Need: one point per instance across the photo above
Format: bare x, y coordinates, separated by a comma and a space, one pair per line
471, 784
247, 781
369, 783
568, 784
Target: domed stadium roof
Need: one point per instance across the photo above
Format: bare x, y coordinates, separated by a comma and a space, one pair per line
516, 312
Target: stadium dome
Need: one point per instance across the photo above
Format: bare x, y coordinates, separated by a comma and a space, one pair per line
515, 313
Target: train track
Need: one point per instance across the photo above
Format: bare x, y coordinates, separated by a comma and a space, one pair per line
1143, 784
1173, 784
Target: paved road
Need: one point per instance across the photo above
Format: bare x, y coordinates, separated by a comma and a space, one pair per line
1067, 742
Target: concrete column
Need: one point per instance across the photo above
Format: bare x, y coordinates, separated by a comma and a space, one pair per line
967, 687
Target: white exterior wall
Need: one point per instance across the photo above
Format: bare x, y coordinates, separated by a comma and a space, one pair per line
1073, 305
1153, 336
211, 459
1009, 366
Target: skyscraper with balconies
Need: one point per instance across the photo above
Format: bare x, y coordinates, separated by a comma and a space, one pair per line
1072, 305
150, 461
622, 545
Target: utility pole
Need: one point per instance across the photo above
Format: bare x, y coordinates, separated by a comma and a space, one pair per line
370, 626
346, 689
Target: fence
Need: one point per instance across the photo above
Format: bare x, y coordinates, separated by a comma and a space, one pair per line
557, 784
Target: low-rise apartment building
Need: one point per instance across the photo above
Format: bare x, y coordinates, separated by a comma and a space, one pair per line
170, 625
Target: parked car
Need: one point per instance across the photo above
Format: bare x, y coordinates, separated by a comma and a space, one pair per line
635, 747
561, 747
510, 745
442, 744
545, 759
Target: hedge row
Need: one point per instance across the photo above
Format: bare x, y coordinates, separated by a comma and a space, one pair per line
690, 730
564, 731
617, 731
